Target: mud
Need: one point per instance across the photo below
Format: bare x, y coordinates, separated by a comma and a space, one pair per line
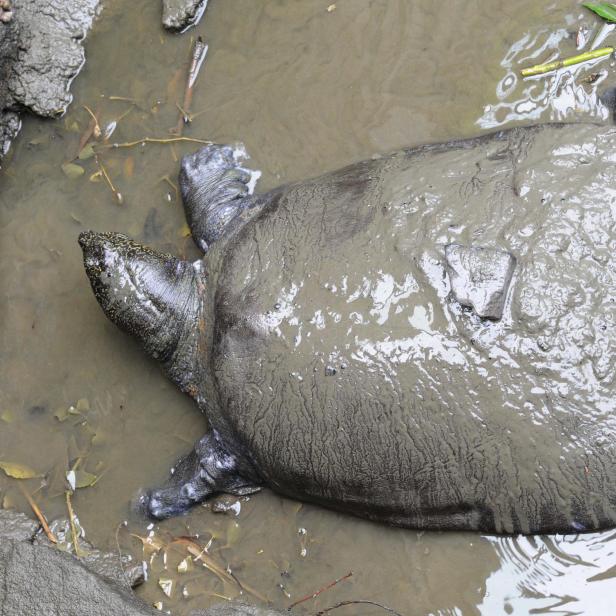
41, 52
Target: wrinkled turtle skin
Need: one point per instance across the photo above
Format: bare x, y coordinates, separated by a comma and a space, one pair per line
425, 339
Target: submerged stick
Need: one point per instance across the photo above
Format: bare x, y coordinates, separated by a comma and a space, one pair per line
540, 69
96, 130
144, 140
199, 52
316, 593
39, 514
360, 601
71, 519
116, 193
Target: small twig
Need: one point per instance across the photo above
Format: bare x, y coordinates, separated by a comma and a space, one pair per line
116, 193
168, 180
117, 542
39, 514
97, 132
132, 144
318, 592
361, 601
124, 99
199, 52
540, 69
71, 517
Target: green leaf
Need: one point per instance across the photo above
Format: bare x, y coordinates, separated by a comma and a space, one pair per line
80, 479
72, 171
18, 471
605, 10
86, 152
7, 416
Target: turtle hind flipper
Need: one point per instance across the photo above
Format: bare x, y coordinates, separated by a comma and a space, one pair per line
215, 188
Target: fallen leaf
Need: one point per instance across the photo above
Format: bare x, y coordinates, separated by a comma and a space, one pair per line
166, 586
72, 171
185, 565
129, 167
7, 416
18, 471
83, 405
605, 10
80, 479
61, 414
86, 152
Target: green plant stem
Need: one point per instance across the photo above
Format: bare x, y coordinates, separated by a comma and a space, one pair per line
540, 69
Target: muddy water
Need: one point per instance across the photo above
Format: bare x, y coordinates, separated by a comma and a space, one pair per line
306, 90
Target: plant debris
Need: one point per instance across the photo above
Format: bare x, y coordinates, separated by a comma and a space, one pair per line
39, 514
18, 471
605, 10
316, 593
72, 171
540, 69
199, 51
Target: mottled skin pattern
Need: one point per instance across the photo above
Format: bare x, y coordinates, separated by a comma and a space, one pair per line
335, 366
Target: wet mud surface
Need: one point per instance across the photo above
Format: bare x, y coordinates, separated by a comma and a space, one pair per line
307, 91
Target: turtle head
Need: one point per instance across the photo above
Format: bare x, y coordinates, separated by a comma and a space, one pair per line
153, 296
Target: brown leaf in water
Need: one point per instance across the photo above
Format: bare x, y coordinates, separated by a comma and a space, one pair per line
18, 471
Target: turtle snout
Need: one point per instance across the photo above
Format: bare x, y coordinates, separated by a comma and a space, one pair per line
160, 504
93, 252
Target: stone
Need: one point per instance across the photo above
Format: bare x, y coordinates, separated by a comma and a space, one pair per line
480, 278
179, 15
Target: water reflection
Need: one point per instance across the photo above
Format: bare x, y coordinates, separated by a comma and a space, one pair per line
568, 94
565, 575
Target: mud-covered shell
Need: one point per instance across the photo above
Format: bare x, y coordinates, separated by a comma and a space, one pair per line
343, 364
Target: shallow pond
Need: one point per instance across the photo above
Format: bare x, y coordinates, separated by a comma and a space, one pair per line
307, 90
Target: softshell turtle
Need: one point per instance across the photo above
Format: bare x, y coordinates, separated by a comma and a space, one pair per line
425, 339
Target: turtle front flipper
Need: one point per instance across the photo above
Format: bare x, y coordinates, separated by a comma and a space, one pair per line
155, 297
216, 189
207, 470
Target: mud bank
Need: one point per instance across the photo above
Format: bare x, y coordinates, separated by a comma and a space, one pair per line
36, 578
41, 51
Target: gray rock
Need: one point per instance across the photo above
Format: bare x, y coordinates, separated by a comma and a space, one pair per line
37, 579
41, 51
16, 526
107, 564
40, 581
180, 15
480, 277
